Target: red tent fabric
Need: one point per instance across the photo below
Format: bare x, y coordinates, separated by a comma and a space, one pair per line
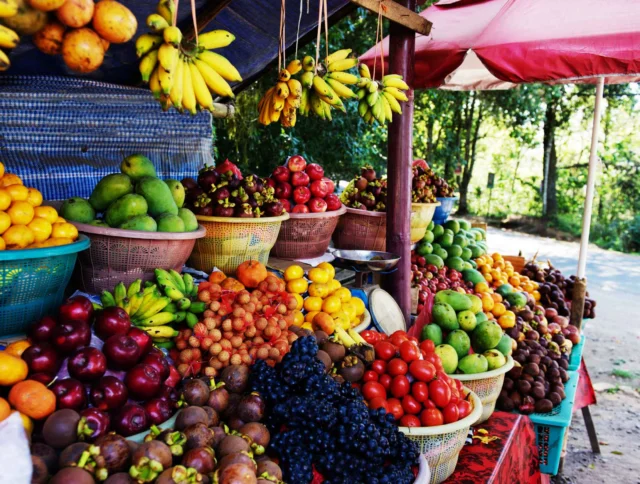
523, 41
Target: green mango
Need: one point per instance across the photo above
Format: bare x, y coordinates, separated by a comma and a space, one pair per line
177, 191
437, 230
432, 332
435, 260
440, 252
467, 320
460, 342
454, 263
99, 223
495, 359
168, 222
461, 240
446, 239
158, 196
517, 300
428, 237
481, 317
476, 251
137, 167
472, 364
505, 289
454, 251
424, 248
472, 275
458, 301
466, 254
505, 345
189, 219
466, 265
444, 316
473, 264
449, 358
452, 225
486, 336
464, 224
77, 209
430, 226
476, 303
124, 208
143, 223
109, 189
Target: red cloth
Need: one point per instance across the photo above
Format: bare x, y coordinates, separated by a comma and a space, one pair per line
585, 394
513, 459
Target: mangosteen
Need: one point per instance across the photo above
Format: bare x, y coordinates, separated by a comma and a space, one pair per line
564, 376
174, 439
238, 458
324, 357
207, 177
195, 392
321, 337
47, 454
508, 384
543, 406
515, 372
198, 435
506, 404
218, 434
368, 173
218, 398
554, 398
233, 181
243, 210
270, 468
73, 475
517, 398
230, 411
192, 195
531, 369
257, 432
534, 358
235, 423
537, 391
532, 335
120, 478
40, 474
206, 211
224, 208
232, 444
564, 364
220, 194
335, 351
251, 408
361, 184
235, 377
179, 475
251, 184
152, 456
351, 369
71, 455
201, 459
273, 209
214, 418
114, 450
190, 416
189, 183
61, 428
524, 387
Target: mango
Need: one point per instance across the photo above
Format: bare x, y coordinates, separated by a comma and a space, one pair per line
437, 230
464, 224
158, 196
517, 300
495, 359
435, 260
99, 223
486, 336
77, 209
455, 251
466, 254
472, 275
432, 332
424, 248
472, 364
481, 317
124, 208
453, 262
137, 166
461, 240
143, 223
459, 341
109, 189
467, 320
168, 222
189, 219
476, 303
446, 240
449, 358
440, 252
459, 302
505, 345
177, 190
452, 225
444, 316
428, 236
504, 289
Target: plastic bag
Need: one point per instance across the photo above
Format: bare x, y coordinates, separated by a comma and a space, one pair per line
15, 456
423, 318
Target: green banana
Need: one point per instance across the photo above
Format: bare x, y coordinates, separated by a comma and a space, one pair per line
119, 293
126, 305
171, 308
167, 345
161, 332
173, 293
148, 284
177, 280
180, 316
194, 291
158, 319
107, 299
183, 304
188, 284
134, 288
197, 307
191, 319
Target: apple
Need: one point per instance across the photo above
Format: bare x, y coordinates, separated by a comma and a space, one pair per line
286, 204
333, 202
143, 382
142, 338
169, 394
41, 358
87, 364
109, 393
300, 209
174, 377
122, 352
132, 419
301, 195
93, 424
69, 393
300, 179
296, 163
110, 321
317, 205
281, 174
40, 332
78, 308
44, 378
158, 410
70, 335
159, 362
332, 186
270, 183
283, 190
320, 189
314, 171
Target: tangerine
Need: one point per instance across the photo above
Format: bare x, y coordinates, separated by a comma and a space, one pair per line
18, 237
18, 192
318, 289
297, 286
5, 222
21, 212
251, 273
332, 304
313, 303
41, 229
47, 213
318, 275
325, 266
33, 399
34, 197
293, 272
343, 293
359, 305
12, 369
10, 179
5, 409
5, 199
310, 315
17, 348
64, 229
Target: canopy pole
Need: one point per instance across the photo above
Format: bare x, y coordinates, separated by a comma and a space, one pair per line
400, 152
579, 292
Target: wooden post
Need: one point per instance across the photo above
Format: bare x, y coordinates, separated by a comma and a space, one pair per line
400, 153
577, 302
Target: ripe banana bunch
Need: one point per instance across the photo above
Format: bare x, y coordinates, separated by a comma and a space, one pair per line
379, 100
8, 38
180, 73
281, 101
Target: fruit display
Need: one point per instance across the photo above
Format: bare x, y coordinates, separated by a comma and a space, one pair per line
380, 99
498, 272
429, 279
222, 191
134, 199
366, 192
184, 74
281, 102
426, 185
81, 31
24, 222
9, 37
26, 20
301, 187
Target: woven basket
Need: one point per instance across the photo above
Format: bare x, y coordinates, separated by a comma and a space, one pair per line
306, 235
361, 230
231, 241
421, 218
487, 386
126, 255
441, 445
517, 261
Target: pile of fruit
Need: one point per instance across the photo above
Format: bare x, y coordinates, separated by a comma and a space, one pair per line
135, 199
426, 185
222, 191
301, 187
366, 192
429, 279
83, 47
24, 222
13, 25
498, 272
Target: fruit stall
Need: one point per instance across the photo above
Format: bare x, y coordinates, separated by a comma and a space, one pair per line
168, 318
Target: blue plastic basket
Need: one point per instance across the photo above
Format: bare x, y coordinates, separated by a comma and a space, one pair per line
32, 283
444, 210
576, 354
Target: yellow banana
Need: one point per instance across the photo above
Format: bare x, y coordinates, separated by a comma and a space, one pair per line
166, 80
8, 8
295, 88
306, 79
282, 90
292, 103
342, 65
372, 98
158, 319
161, 331
188, 96
284, 75
305, 107
154, 84
368, 117
263, 106
294, 66
166, 8
321, 87
277, 103
373, 86
156, 306
343, 77
316, 105
356, 337
397, 93
393, 102
215, 39
200, 87
289, 118
135, 301
176, 89
363, 70
156, 22
388, 114
212, 79
221, 65
8, 38
394, 82
146, 43
340, 89
363, 107
148, 65
275, 115
337, 56
168, 57
364, 82
308, 63
378, 111
172, 35
327, 111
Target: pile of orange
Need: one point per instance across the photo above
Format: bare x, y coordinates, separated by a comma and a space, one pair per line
24, 222
497, 272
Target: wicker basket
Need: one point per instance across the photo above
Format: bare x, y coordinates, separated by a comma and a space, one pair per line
126, 255
421, 218
487, 386
517, 261
442, 444
306, 235
361, 230
231, 241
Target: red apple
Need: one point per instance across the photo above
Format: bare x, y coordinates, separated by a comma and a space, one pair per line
41, 358
320, 188
122, 352
283, 190
169, 394
300, 209
296, 163
78, 308
270, 183
301, 195
93, 424
142, 338
286, 204
70, 393
158, 410
281, 174
332, 186
174, 377
110, 321
132, 419
333, 202
109, 393
44, 378
300, 179
314, 171
317, 205
159, 362
70, 335
143, 382
40, 332
87, 364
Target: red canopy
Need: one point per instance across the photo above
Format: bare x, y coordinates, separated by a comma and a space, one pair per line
488, 44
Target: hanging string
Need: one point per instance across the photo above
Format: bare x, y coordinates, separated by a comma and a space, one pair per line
379, 38
282, 36
193, 16
326, 28
298, 31
320, 6
174, 17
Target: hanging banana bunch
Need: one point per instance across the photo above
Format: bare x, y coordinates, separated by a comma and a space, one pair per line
281, 101
8, 38
184, 74
379, 100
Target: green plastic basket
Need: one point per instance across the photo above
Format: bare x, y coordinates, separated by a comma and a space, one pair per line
32, 283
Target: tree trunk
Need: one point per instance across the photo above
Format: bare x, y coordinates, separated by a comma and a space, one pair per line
457, 126
547, 143
430, 145
467, 174
552, 200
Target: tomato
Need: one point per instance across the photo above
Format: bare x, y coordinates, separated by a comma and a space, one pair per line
459, 385
464, 409
451, 413
422, 370
429, 404
409, 421
439, 392
428, 346
369, 336
420, 391
398, 338
411, 405
409, 351
414, 340
431, 417
397, 367
455, 394
434, 360
385, 381
373, 389
385, 350
379, 402
370, 376
395, 407
400, 386
379, 366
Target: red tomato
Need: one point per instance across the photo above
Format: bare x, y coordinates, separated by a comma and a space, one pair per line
379, 366
370, 375
385, 381
431, 417
428, 346
410, 421
420, 391
422, 370
385, 350
400, 386
373, 389
464, 409
414, 340
411, 405
455, 394
395, 407
369, 336
397, 367
439, 392
409, 351
398, 338
434, 360
429, 404
451, 413
379, 402
459, 385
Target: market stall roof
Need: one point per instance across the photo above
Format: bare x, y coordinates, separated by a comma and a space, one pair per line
255, 24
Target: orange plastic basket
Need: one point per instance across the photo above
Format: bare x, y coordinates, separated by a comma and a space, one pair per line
361, 230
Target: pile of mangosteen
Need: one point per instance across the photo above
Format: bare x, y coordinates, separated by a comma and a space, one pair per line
366, 191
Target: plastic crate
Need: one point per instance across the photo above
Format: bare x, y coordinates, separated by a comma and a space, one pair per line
576, 354
551, 428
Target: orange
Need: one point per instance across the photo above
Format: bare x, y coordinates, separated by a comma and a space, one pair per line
297, 286
310, 315
318, 275
341, 319
507, 320
60, 220
250, 272
17, 348
349, 309
298, 318
498, 309
334, 285
332, 304
65, 230
41, 229
325, 322
487, 302
12, 369
5, 199
313, 303
299, 301
482, 287
496, 256
3, 245
496, 297
293, 272
343, 294
18, 237
21, 212
488, 277
536, 295
1, 169
34, 197
359, 305
10, 179
325, 266
33, 399
5, 409
18, 192
56, 241
5, 222
47, 213
317, 289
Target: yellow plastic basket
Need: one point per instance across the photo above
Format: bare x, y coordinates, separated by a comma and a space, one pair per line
421, 218
230, 241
